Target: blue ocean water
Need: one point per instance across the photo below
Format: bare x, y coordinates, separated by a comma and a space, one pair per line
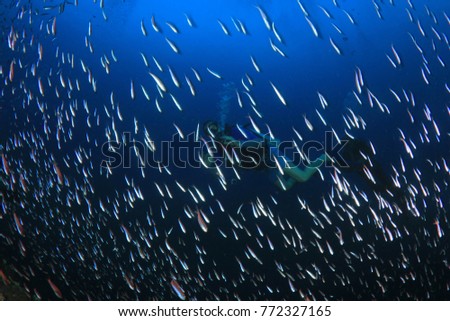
74, 229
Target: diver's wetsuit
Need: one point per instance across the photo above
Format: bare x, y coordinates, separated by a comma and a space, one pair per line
358, 154
253, 151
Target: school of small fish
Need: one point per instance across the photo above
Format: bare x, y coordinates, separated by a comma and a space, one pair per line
73, 229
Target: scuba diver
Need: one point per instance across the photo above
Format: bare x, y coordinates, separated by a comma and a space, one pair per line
253, 150
257, 151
